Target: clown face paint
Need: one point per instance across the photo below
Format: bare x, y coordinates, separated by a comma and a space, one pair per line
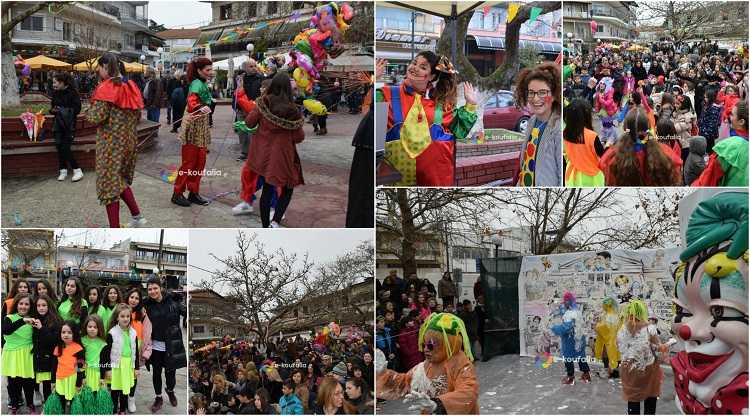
711, 319
419, 73
434, 348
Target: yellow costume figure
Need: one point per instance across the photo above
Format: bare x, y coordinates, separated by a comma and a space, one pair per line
445, 382
606, 334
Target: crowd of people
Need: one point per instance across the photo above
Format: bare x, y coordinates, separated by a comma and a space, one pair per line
326, 375
665, 114
405, 304
97, 337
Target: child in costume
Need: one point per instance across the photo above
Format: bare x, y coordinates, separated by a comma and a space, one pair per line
244, 106
137, 321
446, 382
581, 147
727, 166
606, 107
195, 134
638, 159
72, 305
423, 121
95, 351
123, 357
572, 340
17, 357
70, 361
273, 150
116, 108
20, 287
46, 332
641, 374
711, 300
606, 337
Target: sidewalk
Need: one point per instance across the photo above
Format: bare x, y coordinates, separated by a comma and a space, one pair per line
321, 202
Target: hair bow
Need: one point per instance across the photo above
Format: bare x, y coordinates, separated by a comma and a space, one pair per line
444, 65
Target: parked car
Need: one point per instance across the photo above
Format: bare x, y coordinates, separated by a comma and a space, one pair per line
500, 112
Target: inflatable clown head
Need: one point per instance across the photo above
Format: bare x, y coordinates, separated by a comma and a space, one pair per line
711, 283
441, 336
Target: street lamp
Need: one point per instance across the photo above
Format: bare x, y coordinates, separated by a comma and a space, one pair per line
250, 48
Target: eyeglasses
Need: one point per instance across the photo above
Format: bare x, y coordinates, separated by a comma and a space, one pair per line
430, 344
541, 94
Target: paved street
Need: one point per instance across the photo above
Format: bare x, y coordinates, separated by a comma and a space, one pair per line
321, 202
512, 385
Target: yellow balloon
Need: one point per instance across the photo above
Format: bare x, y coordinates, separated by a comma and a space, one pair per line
301, 78
315, 107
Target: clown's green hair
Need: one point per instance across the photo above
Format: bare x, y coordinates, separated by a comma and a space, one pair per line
638, 309
447, 324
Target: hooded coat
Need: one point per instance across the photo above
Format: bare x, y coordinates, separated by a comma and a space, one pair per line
695, 162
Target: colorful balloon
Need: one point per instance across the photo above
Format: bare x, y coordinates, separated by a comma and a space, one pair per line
317, 108
301, 78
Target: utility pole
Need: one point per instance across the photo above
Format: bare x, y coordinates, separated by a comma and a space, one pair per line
161, 249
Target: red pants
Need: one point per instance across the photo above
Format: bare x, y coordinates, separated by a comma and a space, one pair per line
249, 181
191, 170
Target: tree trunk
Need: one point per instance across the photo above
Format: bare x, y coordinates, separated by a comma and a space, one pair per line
9, 82
408, 251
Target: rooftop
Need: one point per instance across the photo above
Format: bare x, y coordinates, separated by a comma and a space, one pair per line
180, 34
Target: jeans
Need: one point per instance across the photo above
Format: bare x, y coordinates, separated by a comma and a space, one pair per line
570, 367
153, 113
649, 407
65, 153
281, 204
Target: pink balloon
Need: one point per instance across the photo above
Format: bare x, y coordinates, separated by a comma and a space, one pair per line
593, 26
347, 11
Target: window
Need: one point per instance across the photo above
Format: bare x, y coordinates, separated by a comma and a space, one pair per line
33, 23
273, 7
505, 100
600, 29
67, 35
252, 9
199, 329
225, 12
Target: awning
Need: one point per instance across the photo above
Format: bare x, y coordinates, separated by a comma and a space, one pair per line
237, 61
396, 55
210, 36
44, 62
498, 43
439, 8
93, 63
348, 62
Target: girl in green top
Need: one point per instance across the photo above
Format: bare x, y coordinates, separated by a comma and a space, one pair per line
72, 305
112, 298
94, 299
96, 353
17, 359
123, 356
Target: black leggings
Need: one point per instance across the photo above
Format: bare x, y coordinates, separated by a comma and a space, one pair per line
157, 364
570, 367
119, 398
320, 121
649, 407
281, 204
18, 385
46, 388
132, 389
65, 154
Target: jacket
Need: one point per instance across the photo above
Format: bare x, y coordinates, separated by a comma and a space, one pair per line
683, 124
65, 106
45, 340
408, 341
446, 288
695, 163
163, 324
152, 93
548, 170
273, 150
251, 85
291, 405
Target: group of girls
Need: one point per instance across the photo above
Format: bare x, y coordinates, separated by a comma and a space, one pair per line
91, 336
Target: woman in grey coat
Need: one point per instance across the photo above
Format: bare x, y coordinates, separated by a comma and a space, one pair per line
540, 161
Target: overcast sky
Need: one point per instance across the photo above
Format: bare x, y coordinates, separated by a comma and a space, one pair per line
105, 238
323, 245
180, 14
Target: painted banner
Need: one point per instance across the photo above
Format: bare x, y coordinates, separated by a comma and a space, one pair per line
592, 276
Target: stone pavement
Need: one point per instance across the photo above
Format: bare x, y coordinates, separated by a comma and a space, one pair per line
321, 202
510, 384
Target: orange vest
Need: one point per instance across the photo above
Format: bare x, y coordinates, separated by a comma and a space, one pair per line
137, 325
8, 305
582, 156
66, 361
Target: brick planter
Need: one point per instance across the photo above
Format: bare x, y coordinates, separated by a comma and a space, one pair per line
481, 170
470, 150
20, 157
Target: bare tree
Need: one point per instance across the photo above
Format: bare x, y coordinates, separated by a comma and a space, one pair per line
406, 217
27, 245
685, 19
10, 95
266, 285
347, 270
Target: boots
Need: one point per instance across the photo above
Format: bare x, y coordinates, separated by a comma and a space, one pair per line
180, 200
196, 199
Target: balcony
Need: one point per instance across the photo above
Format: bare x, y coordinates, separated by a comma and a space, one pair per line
405, 25
137, 22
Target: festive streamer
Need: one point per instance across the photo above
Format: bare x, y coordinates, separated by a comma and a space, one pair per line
512, 12
535, 12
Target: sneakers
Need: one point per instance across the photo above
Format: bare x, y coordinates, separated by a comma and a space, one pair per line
586, 377
137, 221
179, 199
569, 380
197, 199
63, 175
275, 224
131, 404
38, 399
242, 158
77, 175
172, 398
242, 208
158, 403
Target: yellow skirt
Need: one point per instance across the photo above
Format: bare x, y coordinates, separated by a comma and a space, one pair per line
123, 377
18, 363
93, 376
46, 376
66, 387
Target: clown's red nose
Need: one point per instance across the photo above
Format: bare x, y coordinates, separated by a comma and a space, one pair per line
684, 332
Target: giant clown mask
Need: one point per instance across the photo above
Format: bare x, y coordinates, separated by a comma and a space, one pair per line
711, 373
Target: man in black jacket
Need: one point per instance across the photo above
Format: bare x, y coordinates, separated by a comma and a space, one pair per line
251, 84
164, 310
172, 82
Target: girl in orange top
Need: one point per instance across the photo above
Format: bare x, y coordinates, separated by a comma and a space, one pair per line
21, 286
581, 147
70, 359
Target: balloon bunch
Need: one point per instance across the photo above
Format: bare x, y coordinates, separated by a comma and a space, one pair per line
313, 45
22, 66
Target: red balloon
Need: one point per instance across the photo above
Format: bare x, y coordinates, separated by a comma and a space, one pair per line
593, 27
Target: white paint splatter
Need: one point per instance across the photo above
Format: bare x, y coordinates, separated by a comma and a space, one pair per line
562, 407
498, 408
491, 393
